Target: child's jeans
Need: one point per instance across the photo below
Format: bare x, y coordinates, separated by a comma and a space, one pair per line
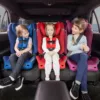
48, 64
81, 75
17, 63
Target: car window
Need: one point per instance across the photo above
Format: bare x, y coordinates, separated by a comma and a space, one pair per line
4, 19
94, 21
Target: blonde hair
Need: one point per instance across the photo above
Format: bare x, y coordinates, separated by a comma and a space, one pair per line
19, 29
49, 24
80, 23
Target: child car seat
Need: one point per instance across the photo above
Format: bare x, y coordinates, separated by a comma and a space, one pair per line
92, 61
60, 34
12, 39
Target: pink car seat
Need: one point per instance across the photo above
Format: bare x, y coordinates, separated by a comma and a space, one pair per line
92, 61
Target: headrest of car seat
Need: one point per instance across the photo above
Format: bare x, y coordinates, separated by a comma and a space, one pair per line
29, 27
41, 27
13, 27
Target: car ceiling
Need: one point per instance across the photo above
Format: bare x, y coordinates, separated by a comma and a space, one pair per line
34, 9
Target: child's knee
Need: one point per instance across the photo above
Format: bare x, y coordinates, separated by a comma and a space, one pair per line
47, 58
55, 57
84, 56
12, 56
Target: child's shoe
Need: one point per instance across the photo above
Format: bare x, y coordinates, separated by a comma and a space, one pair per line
74, 91
85, 96
19, 83
57, 78
6, 82
47, 78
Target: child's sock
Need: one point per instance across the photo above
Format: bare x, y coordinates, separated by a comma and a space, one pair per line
57, 78
11, 78
84, 92
77, 82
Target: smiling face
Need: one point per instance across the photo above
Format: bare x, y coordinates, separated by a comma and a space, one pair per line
76, 30
50, 30
25, 33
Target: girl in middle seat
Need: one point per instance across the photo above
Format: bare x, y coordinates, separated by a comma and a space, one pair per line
51, 47
77, 52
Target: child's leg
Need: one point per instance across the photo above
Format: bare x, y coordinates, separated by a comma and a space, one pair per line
48, 65
82, 67
81, 60
84, 94
13, 60
84, 82
21, 60
56, 65
16, 70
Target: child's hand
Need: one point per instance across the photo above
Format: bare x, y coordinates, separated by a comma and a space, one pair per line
82, 46
19, 53
51, 53
85, 48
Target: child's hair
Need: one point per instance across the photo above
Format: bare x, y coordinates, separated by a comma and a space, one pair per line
80, 23
50, 24
19, 29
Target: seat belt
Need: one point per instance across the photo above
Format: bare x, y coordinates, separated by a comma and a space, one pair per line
78, 39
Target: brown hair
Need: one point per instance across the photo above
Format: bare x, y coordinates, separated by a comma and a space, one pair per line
50, 24
19, 29
80, 23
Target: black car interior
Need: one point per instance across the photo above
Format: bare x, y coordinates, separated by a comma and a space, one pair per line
33, 11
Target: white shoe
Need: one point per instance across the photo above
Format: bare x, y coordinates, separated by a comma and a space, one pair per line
47, 79
57, 79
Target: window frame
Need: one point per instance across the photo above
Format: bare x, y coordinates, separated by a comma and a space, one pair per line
6, 13
96, 18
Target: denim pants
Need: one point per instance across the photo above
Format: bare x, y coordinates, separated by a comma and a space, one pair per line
81, 74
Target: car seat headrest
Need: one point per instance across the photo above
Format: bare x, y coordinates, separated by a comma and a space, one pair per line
14, 27
29, 27
41, 27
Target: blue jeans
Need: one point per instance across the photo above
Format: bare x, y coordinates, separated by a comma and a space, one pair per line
81, 75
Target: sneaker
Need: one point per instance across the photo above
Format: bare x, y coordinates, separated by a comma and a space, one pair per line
19, 83
47, 78
74, 91
57, 78
85, 96
6, 82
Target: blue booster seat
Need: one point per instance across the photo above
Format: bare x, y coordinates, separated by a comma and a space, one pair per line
12, 39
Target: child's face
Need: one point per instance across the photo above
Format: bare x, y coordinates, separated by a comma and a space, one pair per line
76, 30
50, 30
25, 33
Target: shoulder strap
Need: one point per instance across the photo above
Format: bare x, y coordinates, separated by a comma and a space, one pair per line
78, 39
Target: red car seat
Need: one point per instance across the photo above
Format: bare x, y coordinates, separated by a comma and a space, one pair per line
60, 34
92, 61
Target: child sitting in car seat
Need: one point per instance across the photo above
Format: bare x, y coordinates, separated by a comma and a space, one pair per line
51, 48
77, 52
23, 51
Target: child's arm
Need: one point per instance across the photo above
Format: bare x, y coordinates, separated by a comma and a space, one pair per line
16, 46
44, 46
29, 47
72, 47
57, 46
85, 47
